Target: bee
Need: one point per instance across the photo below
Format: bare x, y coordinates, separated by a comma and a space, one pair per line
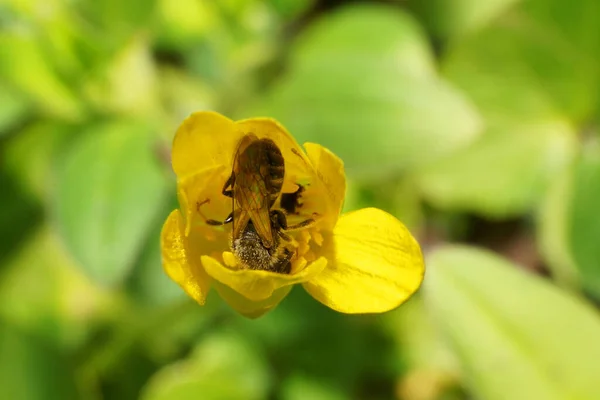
257, 237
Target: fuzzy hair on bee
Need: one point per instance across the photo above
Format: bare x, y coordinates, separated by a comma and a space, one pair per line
249, 249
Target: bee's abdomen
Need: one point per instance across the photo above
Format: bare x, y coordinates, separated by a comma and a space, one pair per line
250, 251
276, 169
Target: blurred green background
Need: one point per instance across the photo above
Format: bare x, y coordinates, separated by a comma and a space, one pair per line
474, 122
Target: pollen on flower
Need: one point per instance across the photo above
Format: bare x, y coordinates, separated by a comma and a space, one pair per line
304, 250
298, 265
305, 236
317, 237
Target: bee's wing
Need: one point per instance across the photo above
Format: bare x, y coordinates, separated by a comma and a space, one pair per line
262, 223
240, 220
253, 199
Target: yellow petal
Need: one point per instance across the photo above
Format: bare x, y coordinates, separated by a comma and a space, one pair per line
177, 262
249, 308
374, 264
198, 187
203, 140
259, 285
330, 169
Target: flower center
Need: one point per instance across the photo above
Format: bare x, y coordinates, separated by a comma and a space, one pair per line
290, 256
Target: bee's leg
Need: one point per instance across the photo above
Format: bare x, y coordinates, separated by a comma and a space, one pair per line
302, 224
214, 222
280, 219
209, 221
284, 236
284, 265
229, 182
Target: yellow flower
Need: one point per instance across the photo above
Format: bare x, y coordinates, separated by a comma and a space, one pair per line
364, 261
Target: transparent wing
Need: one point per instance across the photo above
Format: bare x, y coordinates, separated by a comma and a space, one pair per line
252, 197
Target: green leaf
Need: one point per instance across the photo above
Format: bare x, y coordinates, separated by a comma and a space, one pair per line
127, 84
291, 8
24, 66
553, 228
120, 20
371, 95
531, 86
13, 108
182, 94
19, 214
521, 68
223, 366
182, 23
508, 328
504, 173
420, 344
110, 190
453, 18
575, 23
431, 368
31, 154
300, 386
42, 292
568, 224
583, 227
32, 370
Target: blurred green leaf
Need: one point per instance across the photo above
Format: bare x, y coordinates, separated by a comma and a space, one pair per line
300, 387
242, 39
120, 20
31, 155
553, 229
127, 84
575, 23
31, 369
400, 197
583, 227
518, 69
291, 8
43, 292
13, 108
362, 82
431, 367
223, 366
19, 211
183, 22
24, 66
58, 32
347, 354
530, 87
454, 18
508, 328
504, 173
109, 193
182, 94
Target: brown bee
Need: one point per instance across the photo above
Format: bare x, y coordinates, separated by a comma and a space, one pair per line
254, 185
